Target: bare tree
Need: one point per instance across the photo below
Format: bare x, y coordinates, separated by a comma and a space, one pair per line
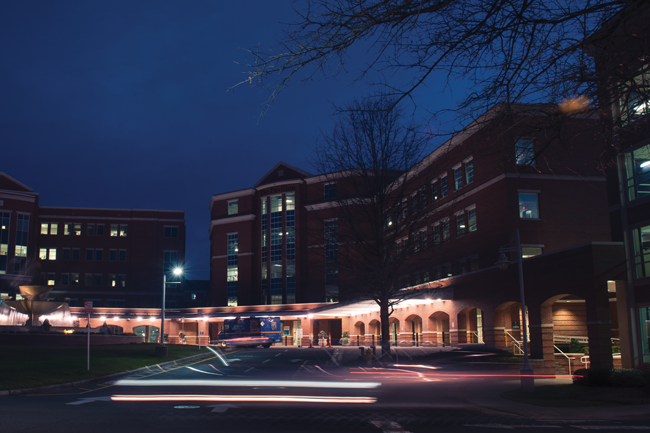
370, 244
506, 52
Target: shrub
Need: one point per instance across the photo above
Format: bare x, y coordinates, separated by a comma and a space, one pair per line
623, 378
575, 346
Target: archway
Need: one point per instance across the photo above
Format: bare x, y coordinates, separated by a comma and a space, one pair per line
507, 327
148, 333
394, 331
470, 326
413, 324
375, 330
360, 331
439, 323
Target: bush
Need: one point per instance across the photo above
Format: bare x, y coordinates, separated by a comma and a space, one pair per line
575, 346
623, 378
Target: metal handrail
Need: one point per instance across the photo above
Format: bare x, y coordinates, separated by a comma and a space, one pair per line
515, 343
585, 360
566, 356
568, 338
478, 338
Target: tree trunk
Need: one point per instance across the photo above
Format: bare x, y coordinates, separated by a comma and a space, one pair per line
385, 327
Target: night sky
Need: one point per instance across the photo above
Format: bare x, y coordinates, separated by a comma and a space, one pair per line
125, 104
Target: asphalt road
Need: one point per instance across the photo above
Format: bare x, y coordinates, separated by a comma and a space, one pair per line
284, 390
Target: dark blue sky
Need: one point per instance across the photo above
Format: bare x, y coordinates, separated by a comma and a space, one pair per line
125, 104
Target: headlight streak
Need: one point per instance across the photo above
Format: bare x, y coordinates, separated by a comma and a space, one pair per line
416, 366
223, 359
249, 383
246, 398
204, 372
450, 375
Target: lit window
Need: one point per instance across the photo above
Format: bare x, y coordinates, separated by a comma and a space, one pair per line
637, 169
634, 101
460, 224
641, 240
42, 253
121, 280
530, 252
123, 230
471, 219
233, 207
524, 152
193, 296
51, 279
435, 191
114, 230
67, 229
171, 232
329, 191
44, 228
54, 229
74, 279
528, 207
52, 255
112, 280
77, 229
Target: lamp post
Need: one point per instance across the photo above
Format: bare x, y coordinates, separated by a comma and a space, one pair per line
527, 379
161, 349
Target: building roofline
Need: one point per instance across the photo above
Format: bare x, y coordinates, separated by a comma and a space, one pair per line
303, 172
2, 173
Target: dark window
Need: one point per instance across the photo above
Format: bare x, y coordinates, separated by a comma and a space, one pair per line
171, 232
90, 230
112, 255
75, 254
99, 255
66, 254
100, 229
89, 254
122, 255
329, 191
98, 279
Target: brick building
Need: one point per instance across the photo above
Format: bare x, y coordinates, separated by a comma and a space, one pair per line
113, 257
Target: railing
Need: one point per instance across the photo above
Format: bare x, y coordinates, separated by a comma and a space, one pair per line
566, 356
478, 337
516, 343
585, 360
568, 338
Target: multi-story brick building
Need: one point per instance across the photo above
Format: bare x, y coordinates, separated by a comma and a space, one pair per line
113, 257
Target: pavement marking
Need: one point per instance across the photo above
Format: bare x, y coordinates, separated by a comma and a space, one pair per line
221, 408
85, 400
252, 368
279, 354
612, 427
204, 372
265, 361
389, 426
295, 360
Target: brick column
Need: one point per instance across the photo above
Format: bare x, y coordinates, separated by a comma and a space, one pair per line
307, 327
488, 327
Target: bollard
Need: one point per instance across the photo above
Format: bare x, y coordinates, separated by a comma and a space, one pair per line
368, 356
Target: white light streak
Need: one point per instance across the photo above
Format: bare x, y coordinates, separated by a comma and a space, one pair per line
249, 383
251, 398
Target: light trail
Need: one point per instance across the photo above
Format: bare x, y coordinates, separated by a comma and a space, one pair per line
246, 398
249, 383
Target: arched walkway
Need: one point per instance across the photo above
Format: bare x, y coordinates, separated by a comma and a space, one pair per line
470, 326
439, 325
412, 335
358, 339
374, 338
395, 330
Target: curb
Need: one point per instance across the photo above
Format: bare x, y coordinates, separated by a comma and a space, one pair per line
95, 379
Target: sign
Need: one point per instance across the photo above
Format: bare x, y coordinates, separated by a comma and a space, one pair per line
201, 332
88, 307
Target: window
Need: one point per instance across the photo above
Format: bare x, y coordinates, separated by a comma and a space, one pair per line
88, 279
471, 219
445, 230
66, 254
444, 191
458, 177
77, 229
67, 229
75, 254
100, 229
462, 267
121, 280
415, 203
114, 230
99, 255
51, 279
42, 253
329, 191
473, 263
641, 241
416, 242
460, 224
446, 270
90, 229
530, 251
74, 279
123, 228
112, 255
120, 303
436, 234
423, 198
405, 209
331, 261
424, 239
634, 101
98, 280
637, 170
528, 207
54, 229
122, 256
469, 171
233, 207
435, 191
52, 254
89, 254
4, 241
524, 152
232, 269
44, 227
65, 279
112, 280
171, 232
22, 236
425, 276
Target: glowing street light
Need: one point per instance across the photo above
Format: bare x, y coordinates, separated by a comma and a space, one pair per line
161, 349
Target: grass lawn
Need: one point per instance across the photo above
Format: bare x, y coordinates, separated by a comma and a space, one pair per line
580, 396
31, 366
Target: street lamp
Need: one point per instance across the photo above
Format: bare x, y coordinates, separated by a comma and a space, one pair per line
527, 379
161, 349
